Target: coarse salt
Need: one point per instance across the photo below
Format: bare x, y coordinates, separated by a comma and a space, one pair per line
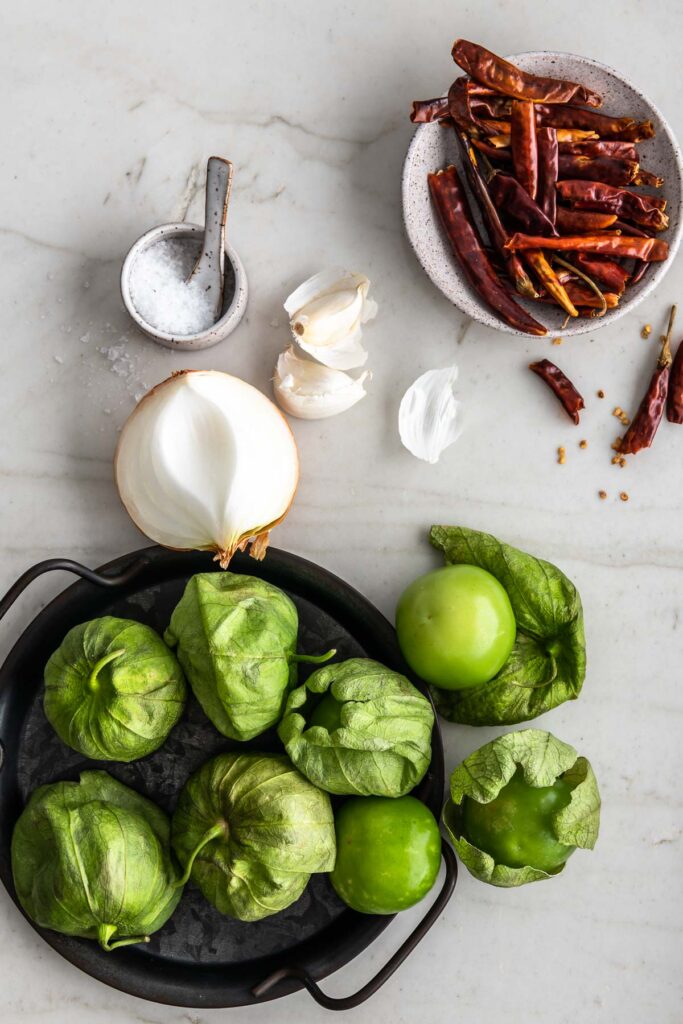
161, 292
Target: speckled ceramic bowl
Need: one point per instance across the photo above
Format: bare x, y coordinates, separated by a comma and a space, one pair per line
235, 294
432, 147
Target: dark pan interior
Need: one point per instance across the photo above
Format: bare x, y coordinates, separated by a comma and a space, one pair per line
200, 957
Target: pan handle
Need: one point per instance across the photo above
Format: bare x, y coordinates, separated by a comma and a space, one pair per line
369, 989
67, 565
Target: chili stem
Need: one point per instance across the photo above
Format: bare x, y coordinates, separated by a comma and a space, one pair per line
589, 281
665, 358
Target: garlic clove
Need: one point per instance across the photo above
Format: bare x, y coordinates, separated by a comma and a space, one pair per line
326, 314
206, 461
428, 417
311, 391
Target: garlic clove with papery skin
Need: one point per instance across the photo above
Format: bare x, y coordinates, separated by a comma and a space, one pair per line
429, 414
205, 461
326, 314
312, 391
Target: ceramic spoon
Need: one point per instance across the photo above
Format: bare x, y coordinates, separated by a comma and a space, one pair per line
209, 270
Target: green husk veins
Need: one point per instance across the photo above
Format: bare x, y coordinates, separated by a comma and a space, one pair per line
93, 859
113, 690
250, 831
236, 641
543, 759
382, 746
547, 664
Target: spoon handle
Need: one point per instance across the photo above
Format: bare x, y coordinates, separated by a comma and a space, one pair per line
210, 267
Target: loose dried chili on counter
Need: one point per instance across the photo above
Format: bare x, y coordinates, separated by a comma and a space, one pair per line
490, 70
651, 249
561, 386
607, 169
674, 399
451, 203
523, 145
594, 195
643, 426
586, 221
548, 171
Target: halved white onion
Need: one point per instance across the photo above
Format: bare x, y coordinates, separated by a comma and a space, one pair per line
207, 462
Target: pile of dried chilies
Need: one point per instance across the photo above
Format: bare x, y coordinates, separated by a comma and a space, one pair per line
552, 178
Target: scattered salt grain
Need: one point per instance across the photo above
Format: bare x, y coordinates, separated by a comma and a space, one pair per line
58, 359
274, 323
121, 363
85, 338
161, 292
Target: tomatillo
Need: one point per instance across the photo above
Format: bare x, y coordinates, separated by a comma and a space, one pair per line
516, 827
388, 853
455, 626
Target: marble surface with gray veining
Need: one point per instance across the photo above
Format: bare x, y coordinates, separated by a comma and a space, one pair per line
109, 115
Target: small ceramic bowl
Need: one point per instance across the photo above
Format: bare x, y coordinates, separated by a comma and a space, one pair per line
433, 147
234, 296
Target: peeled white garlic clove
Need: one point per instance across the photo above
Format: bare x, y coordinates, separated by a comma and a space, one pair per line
311, 391
428, 414
326, 314
206, 461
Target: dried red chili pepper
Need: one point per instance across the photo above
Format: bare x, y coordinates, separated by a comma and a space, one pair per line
621, 150
490, 70
497, 233
564, 135
644, 177
577, 117
451, 203
550, 282
606, 271
425, 111
517, 206
460, 106
576, 221
491, 106
636, 133
643, 427
548, 171
492, 152
674, 399
611, 170
640, 267
587, 299
523, 145
594, 195
651, 249
561, 386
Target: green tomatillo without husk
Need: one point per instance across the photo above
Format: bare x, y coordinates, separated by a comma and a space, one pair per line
520, 806
455, 626
388, 853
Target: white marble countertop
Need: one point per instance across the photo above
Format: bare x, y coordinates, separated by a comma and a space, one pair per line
109, 114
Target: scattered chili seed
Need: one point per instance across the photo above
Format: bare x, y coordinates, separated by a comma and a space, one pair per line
616, 444
557, 341
601, 393
602, 495
583, 444
624, 496
617, 411
646, 331
561, 455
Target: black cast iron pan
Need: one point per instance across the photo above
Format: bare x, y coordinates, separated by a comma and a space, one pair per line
199, 958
